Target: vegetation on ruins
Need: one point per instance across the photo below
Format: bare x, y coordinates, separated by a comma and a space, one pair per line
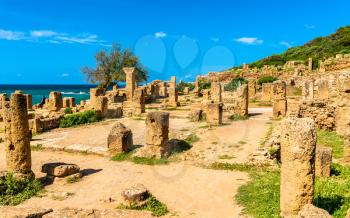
181, 86
109, 67
80, 118
235, 83
266, 79
68, 110
236, 117
331, 139
319, 49
152, 204
203, 84
14, 191
261, 195
127, 156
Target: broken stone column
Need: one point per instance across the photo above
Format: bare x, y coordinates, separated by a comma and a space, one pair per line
55, 101
130, 82
66, 103
308, 90
17, 135
139, 102
310, 65
72, 102
157, 130
173, 96
172, 83
266, 91
322, 89
215, 92
101, 105
186, 90
279, 99
342, 117
213, 113
29, 101
241, 101
120, 139
323, 161
252, 88
94, 93
298, 148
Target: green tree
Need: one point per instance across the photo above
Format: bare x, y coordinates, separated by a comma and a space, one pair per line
109, 67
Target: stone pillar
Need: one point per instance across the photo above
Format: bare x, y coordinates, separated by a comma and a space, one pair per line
173, 96
252, 88
94, 93
162, 89
29, 101
101, 105
279, 99
196, 85
298, 148
213, 113
342, 118
322, 89
139, 102
308, 90
17, 135
119, 139
55, 101
241, 101
206, 94
215, 92
130, 82
186, 90
157, 129
323, 161
266, 91
310, 65
172, 83
66, 103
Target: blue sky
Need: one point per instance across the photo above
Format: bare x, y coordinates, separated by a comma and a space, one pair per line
48, 41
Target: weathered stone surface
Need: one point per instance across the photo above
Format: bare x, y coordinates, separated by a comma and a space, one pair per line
94, 93
173, 96
55, 101
279, 100
157, 128
23, 212
215, 92
298, 148
136, 194
139, 102
252, 88
195, 114
17, 135
29, 101
60, 169
213, 113
308, 90
130, 82
266, 91
120, 139
241, 101
186, 90
310, 211
323, 161
101, 105
321, 112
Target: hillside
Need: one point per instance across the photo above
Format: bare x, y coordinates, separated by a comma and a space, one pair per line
318, 49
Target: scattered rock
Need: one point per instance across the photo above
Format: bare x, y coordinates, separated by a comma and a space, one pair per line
120, 139
136, 194
310, 211
23, 212
60, 169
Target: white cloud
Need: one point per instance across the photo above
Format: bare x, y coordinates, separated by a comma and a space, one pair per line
215, 39
87, 39
308, 26
64, 75
287, 44
250, 40
43, 33
160, 34
11, 35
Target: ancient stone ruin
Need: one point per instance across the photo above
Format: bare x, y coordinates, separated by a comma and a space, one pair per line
55, 101
119, 139
130, 82
298, 149
279, 99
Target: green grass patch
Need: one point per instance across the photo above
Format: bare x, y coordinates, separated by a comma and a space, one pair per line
38, 147
127, 156
192, 138
85, 117
14, 191
236, 117
331, 139
153, 205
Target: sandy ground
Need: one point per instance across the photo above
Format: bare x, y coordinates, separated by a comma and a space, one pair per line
186, 188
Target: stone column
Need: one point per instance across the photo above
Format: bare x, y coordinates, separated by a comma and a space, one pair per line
29, 101
55, 101
72, 102
252, 88
279, 99
308, 90
213, 113
322, 89
241, 101
310, 65
323, 161
101, 105
186, 90
172, 83
157, 129
17, 135
139, 102
130, 82
66, 103
266, 91
298, 148
173, 96
215, 92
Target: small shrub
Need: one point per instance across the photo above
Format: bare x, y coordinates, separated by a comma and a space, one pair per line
38, 147
149, 161
236, 117
80, 118
192, 138
68, 110
235, 83
122, 156
266, 79
14, 191
74, 179
204, 85
153, 205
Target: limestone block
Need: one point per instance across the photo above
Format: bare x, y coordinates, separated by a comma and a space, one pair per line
323, 161
120, 139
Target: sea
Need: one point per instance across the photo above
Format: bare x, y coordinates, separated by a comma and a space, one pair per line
79, 92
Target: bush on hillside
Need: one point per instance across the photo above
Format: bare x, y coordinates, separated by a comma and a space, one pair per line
266, 79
